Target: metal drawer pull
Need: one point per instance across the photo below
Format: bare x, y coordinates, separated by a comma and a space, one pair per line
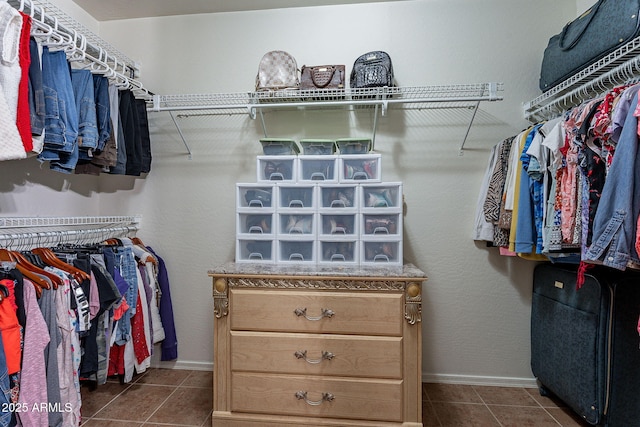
325, 312
326, 397
302, 354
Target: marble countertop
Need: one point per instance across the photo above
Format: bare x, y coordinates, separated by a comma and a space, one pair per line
232, 268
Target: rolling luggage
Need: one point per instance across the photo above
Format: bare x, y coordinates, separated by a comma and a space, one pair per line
585, 343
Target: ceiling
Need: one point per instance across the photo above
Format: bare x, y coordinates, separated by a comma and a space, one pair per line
103, 10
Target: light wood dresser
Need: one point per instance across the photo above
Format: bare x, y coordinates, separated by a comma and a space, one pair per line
320, 347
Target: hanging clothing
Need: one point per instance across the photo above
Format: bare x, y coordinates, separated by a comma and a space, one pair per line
10, 328
33, 376
23, 113
170, 344
614, 227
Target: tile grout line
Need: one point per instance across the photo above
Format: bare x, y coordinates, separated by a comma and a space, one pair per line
166, 399
82, 422
486, 406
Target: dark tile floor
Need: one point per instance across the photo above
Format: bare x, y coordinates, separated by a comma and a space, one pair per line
172, 397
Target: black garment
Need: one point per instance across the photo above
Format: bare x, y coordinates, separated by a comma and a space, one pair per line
131, 129
141, 106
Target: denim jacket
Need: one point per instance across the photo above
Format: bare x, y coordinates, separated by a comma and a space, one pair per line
614, 227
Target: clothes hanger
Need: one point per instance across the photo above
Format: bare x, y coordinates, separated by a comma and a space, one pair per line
38, 282
23, 261
49, 257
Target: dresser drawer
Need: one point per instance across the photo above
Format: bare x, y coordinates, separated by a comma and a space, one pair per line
379, 400
313, 354
362, 313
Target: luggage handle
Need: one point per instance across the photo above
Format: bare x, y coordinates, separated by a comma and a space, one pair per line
591, 12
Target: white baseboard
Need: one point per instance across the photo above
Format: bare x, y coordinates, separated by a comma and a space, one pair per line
183, 364
479, 380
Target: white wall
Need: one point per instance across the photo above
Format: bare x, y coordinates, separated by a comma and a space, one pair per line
476, 304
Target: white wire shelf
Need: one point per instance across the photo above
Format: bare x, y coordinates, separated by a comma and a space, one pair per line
619, 67
249, 102
381, 99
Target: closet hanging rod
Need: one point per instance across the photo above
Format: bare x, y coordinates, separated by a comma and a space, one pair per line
56, 29
30, 240
624, 73
29, 232
31, 222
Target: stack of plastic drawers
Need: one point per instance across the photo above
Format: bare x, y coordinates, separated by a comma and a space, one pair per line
319, 208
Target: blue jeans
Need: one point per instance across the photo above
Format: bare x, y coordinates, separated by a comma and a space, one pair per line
82, 82
103, 110
126, 264
61, 116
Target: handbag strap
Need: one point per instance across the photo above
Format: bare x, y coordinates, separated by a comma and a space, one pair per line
313, 76
591, 12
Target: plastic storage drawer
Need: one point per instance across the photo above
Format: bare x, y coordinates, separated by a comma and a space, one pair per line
366, 167
298, 251
338, 252
381, 196
337, 196
277, 168
318, 168
252, 224
375, 224
381, 252
255, 196
297, 223
338, 224
296, 196
255, 250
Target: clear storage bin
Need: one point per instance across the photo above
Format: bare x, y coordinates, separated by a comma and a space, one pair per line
279, 146
338, 252
361, 168
297, 223
296, 196
338, 224
252, 223
318, 168
381, 252
255, 196
276, 168
255, 250
316, 147
354, 145
337, 196
386, 195
296, 252
381, 225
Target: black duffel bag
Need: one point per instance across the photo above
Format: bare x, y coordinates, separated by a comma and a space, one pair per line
607, 25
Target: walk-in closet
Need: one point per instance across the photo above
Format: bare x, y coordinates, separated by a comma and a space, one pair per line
257, 264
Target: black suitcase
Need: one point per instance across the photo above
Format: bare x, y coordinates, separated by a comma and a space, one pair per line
585, 347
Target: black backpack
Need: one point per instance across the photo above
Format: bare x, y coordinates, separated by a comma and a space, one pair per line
373, 69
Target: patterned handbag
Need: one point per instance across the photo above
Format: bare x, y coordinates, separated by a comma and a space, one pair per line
278, 70
322, 77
